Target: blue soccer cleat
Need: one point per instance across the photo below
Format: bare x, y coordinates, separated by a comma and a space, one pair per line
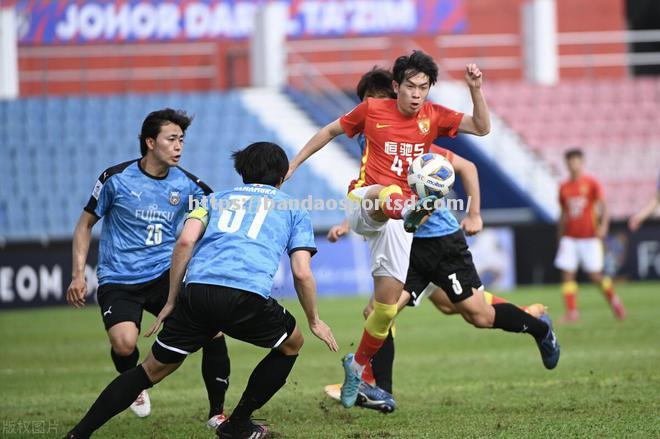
352, 380
549, 346
375, 398
416, 216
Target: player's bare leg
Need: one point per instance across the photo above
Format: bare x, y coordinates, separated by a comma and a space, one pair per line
569, 290
442, 303
607, 288
125, 355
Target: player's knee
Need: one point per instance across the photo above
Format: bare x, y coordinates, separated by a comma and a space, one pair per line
123, 345
380, 320
293, 344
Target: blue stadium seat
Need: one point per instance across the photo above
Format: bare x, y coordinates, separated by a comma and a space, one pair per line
56, 148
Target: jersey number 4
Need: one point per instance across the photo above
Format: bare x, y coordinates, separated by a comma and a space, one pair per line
397, 164
231, 219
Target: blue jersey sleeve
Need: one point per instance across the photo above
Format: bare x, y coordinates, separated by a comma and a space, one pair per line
102, 196
302, 233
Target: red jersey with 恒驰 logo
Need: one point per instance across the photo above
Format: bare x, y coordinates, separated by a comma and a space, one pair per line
578, 198
393, 140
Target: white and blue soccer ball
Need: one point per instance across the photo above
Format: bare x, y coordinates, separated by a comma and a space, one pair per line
431, 174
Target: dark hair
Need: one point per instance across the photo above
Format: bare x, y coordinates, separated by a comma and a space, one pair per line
261, 162
375, 81
406, 67
156, 119
573, 152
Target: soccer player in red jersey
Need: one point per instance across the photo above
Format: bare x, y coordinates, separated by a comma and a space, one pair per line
396, 132
581, 234
376, 390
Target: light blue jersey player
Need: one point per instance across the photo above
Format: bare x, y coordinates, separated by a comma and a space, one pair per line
140, 214
235, 249
243, 242
143, 202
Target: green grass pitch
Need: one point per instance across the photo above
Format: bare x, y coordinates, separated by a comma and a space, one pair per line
450, 380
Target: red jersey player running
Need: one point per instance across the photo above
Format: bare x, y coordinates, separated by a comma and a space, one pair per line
396, 132
581, 236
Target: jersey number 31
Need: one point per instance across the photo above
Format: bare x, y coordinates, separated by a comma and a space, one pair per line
231, 219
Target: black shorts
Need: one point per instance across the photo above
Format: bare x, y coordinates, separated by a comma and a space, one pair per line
124, 302
203, 310
447, 262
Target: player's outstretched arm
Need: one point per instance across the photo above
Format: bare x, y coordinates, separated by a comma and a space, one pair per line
192, 231
77, 291
637, 219
318, 141
479, 122
472, 223
303, 280
337, 231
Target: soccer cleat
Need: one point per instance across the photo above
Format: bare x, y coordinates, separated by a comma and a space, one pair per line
535, 310
352, 380
618, 308
375, 398
230, 429
216, 420
416, 216
549, 346
142, 405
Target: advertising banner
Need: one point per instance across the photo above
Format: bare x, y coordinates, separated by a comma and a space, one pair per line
44, 22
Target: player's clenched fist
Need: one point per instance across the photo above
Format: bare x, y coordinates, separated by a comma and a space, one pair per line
473, 76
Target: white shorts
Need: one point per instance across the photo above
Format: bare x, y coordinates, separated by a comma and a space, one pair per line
389, 243
583, 252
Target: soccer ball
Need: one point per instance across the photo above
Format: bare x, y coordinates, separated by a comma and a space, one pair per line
431, 174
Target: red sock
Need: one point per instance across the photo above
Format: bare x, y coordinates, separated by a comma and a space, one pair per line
369, 345
571, 303
497, 299
569, 291
393, 206
368, 374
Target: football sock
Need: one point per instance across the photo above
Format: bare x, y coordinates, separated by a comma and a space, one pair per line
510, 318
392, 201
114, 399
375, 332
607, 288
122, 364
383, 362
492, 299
368, 374
569, 290
267, 378
215, 371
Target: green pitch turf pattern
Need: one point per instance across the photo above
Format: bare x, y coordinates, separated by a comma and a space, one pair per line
450, 380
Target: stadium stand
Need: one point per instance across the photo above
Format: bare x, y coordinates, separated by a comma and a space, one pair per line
615, 122
42, 198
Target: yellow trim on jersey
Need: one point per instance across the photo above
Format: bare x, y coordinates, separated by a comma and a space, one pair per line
387, 191
363, 167
353, 197
201, 214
